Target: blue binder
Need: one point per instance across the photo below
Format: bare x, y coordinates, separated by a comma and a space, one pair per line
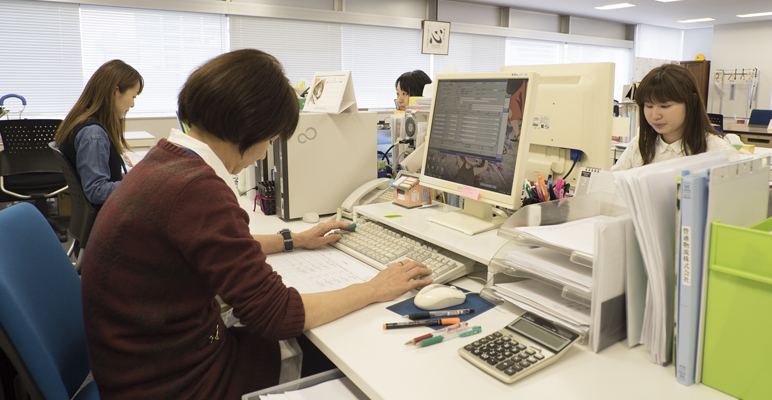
691, 234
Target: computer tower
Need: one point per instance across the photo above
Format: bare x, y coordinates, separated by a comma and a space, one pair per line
328, 157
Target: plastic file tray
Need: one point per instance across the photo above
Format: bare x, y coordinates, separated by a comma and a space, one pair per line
558, 212
737, 348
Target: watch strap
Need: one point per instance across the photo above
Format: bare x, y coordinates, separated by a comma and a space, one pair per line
289, 244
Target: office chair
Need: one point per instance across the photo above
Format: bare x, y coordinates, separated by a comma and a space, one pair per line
83, 211
28, 170
41, 318
760, 117
717, 119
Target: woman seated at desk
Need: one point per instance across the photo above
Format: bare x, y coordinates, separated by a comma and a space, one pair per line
674, 124
92, 134
410, 84
173, 235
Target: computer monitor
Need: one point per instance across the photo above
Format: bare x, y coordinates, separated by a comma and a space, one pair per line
574, 111
477, 145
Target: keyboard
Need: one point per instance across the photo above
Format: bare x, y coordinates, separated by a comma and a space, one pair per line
380, 246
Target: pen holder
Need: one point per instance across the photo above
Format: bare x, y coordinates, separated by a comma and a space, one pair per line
266, 193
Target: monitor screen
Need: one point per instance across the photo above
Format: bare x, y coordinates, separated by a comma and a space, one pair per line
477, 142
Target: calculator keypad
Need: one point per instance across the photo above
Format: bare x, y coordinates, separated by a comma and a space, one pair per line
501, 354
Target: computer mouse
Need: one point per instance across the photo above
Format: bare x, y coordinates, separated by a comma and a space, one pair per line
435, 297
311, 217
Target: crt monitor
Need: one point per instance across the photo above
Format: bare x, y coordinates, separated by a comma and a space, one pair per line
477, 144
574, 111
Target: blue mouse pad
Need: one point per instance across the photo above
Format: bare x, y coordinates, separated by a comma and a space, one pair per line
473, 301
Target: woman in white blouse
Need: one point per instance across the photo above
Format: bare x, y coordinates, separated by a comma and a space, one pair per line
674, 122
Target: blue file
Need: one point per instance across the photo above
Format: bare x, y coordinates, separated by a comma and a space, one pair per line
691, 234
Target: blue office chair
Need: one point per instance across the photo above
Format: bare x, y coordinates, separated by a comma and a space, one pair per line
41, 317
760, 117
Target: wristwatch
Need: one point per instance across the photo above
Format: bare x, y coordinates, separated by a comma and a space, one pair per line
289, 245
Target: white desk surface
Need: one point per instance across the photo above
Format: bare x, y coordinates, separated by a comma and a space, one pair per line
379, 363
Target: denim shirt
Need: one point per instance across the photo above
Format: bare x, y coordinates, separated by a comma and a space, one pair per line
93, 148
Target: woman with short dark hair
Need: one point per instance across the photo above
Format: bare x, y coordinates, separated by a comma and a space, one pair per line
172, 236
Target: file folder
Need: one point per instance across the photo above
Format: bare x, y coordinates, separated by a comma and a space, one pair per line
737, 345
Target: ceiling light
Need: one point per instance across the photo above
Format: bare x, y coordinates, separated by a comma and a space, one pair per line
763, 14
666, 1
689, 21
615, 6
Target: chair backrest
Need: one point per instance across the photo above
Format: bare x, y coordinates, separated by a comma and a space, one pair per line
716, 119
25, 142
760, 117
41, 317
83, 212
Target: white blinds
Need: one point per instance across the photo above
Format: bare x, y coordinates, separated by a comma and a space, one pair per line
533, 52
40, 57
303, 47
164, 46
473, 53
376, 57
621, 57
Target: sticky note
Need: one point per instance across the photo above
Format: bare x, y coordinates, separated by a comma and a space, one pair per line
470, 192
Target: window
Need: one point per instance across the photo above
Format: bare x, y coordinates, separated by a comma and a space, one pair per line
472, 53
621, 57
376, 57
533, 52
164, 46
41, 57
303, 47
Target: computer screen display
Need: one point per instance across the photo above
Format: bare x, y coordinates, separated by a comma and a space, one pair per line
478, 136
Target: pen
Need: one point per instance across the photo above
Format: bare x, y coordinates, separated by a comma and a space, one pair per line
460, 325
450, 335
426, 322
543, 186
435, 314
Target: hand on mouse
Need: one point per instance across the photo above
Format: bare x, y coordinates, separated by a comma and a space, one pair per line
315, 237
398, 279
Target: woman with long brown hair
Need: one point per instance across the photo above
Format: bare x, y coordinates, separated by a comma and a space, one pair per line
92, 135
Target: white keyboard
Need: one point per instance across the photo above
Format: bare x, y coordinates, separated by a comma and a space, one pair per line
380, 246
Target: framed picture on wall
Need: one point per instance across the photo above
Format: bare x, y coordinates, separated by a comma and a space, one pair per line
436, 37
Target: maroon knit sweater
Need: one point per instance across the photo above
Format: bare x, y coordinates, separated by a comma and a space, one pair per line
170, 237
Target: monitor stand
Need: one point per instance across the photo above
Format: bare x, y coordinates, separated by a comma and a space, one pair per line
476, 217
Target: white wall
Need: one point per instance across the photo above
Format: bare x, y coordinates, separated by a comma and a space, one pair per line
697, 41
741, 46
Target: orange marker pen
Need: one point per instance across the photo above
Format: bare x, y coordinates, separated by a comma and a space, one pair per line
427, 322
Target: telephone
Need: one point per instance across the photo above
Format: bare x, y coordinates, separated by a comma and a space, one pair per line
368, 193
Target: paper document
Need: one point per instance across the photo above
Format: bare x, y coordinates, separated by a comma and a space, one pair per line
553, 265
575, 235
549, 298
320, 270
593, 180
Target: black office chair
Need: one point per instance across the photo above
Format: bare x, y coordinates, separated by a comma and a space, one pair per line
83, 211
760, 117
717, 119
28, 170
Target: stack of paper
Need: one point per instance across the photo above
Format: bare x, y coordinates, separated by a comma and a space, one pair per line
649, 192
547, 302
573, 236
551, 265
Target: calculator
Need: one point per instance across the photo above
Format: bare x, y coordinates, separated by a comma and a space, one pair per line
521, 348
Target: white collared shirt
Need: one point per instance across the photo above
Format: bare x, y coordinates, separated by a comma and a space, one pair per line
631, 157
206, 153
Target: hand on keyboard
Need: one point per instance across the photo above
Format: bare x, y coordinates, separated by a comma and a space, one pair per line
398, 279
315, 237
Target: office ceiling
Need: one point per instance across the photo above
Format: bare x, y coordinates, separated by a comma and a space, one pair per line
648, 12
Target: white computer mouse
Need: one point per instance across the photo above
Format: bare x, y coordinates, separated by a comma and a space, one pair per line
435, 297
311, 217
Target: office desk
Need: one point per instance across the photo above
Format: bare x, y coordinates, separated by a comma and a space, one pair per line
140, 140
379, 363
750, 134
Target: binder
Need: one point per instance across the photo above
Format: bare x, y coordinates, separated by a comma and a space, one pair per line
738, 194
737, 345
694, 211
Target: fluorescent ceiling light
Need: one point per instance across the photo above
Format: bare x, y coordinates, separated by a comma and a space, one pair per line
666, 1
615, 6
688, 21
763, 14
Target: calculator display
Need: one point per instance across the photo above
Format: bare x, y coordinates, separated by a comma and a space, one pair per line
548, 339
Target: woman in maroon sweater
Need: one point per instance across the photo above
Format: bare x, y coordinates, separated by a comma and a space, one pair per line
172, 236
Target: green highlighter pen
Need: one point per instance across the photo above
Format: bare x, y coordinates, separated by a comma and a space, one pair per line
450, 335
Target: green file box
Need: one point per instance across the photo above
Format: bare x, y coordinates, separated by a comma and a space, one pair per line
737, 355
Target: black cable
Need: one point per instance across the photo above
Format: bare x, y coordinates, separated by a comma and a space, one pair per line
569, 171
